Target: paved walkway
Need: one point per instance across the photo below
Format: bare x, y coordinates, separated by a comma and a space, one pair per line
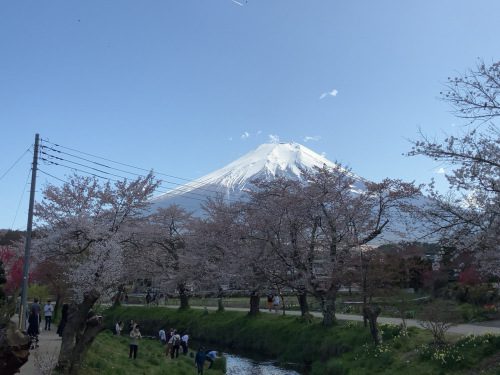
45, 355
461, 329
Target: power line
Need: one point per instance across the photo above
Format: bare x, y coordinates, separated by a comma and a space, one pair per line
125, 164
125, 171
21, 199
14, 164
95, 175
171, 192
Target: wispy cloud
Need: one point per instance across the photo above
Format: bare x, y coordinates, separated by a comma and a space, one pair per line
245, 135
237, 3
230, 139
309, 138
273, 138
334, 92
259, 132
440, 170
323, 154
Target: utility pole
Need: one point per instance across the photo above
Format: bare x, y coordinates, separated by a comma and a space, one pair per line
27, 247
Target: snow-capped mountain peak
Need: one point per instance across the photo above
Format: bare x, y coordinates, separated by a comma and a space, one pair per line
266, 161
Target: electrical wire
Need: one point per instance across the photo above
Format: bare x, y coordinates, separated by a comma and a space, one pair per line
171, 192
14, 164
21, 199
125, 164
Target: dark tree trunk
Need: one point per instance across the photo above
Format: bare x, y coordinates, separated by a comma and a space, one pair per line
328, 310
220, 304
254, 304
372, 313
79, 332
304, 306
118, 296
56, 307
183, 296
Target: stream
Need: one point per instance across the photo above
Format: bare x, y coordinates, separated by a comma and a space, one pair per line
238, 365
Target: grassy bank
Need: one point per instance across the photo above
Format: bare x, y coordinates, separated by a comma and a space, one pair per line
343, 349
108, 355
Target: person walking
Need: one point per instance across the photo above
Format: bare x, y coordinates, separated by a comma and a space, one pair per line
199, 360
276, 303
184, 343
48, 310
148, 298
270, 302
176, 344
135, 335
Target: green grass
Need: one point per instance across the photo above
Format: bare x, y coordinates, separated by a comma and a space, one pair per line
108, 355
343, 349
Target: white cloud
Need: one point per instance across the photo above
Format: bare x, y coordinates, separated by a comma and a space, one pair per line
323, 154
237, 3
273, 138
440, 170
245, 135
230, 139
308, 138
334, 92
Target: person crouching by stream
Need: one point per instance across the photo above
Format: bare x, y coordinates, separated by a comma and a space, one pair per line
210, 356
199, 360
135, 335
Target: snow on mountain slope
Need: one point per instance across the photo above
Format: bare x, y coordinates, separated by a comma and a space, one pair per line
267, 161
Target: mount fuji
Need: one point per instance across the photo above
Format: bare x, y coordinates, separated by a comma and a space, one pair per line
268, 161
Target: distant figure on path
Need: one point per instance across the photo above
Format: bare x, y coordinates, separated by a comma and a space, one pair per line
270, 302
33, 329
64, 319
135, 335
276, 303
148, 298
126, 298
48, 310
199, 360
35, 307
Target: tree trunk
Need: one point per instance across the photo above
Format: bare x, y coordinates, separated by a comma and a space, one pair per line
372, 313
183, 296
254, 304
56, 307
328, 310
79, 332
220, 304
118, 296
304, 306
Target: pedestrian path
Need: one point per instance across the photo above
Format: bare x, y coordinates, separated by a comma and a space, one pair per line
461, 329
45, 356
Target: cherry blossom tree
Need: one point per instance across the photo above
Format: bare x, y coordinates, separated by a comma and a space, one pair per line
468, 216
85, 227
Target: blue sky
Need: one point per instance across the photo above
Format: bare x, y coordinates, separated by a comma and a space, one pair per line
187, 86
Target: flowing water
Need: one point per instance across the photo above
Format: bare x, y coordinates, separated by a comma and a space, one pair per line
238, 365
